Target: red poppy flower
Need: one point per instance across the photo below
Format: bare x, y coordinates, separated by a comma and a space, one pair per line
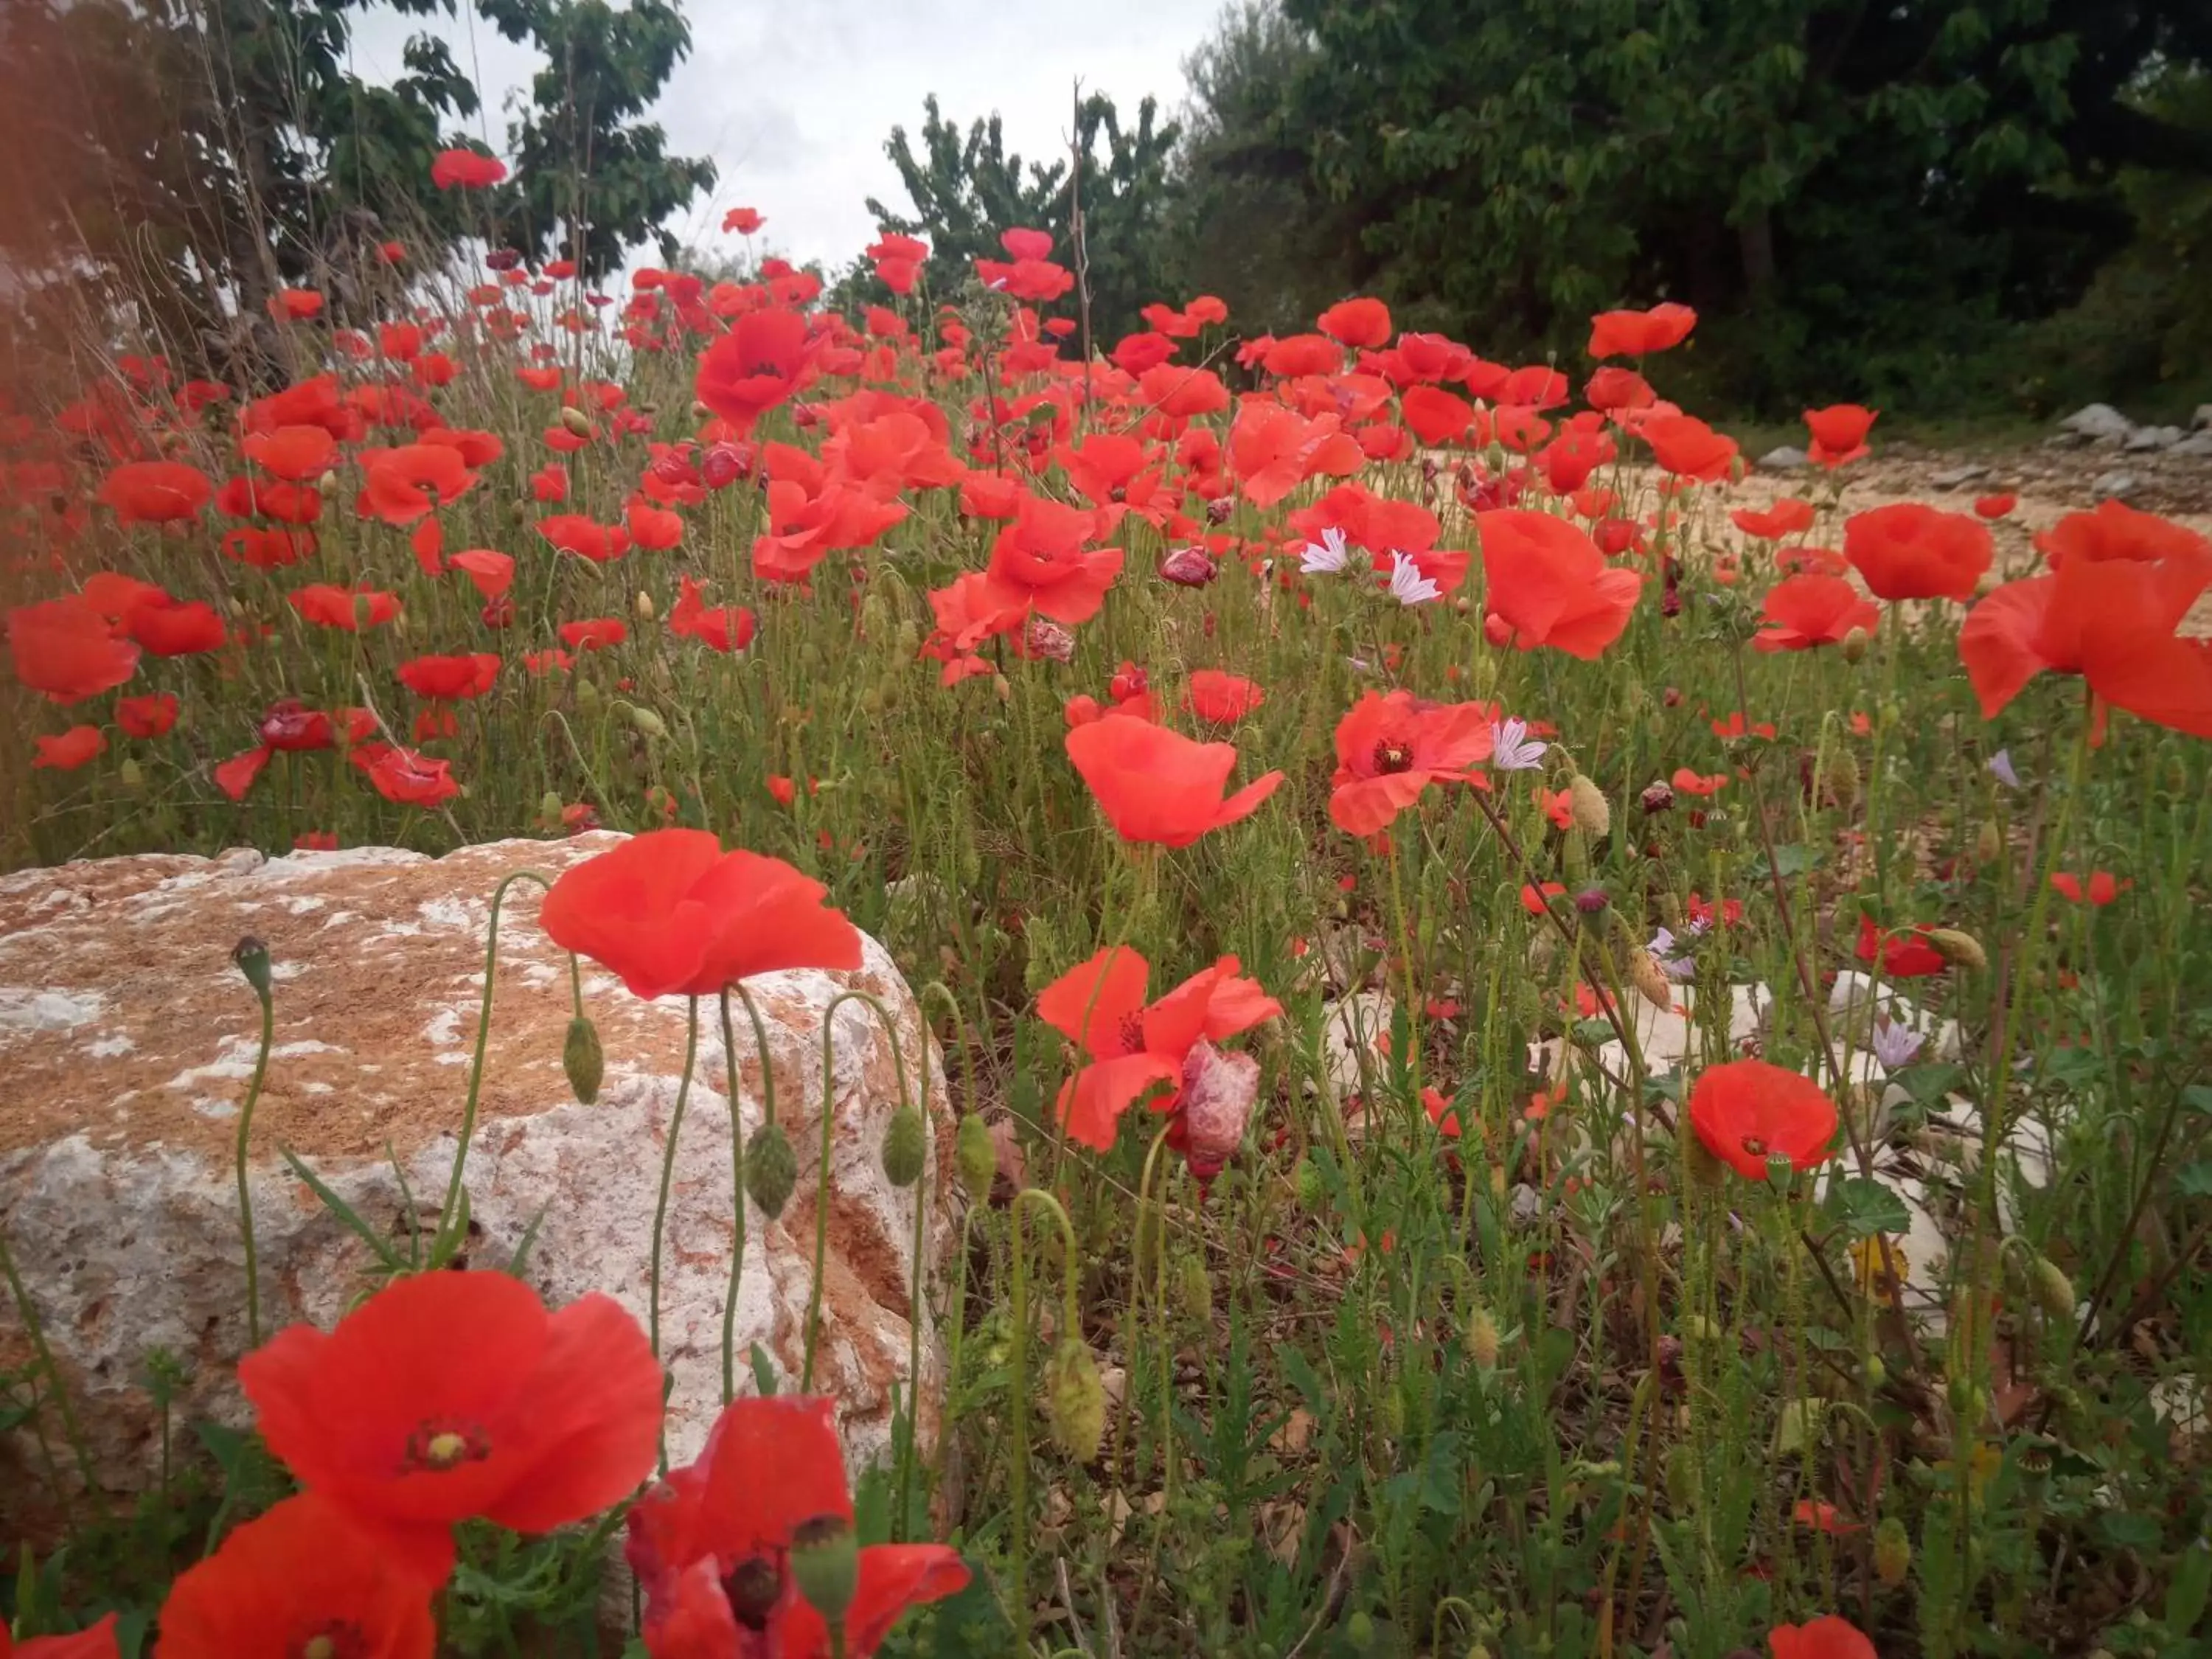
451, 1395
466, 169
1908, 550
1640, 333
1361, 322
1803, 612
670, 912
1158, 786
67, 650
1220, 699
450, 680
1823, 1638
711, 1544
1436, 416
295, 453
1995, 506
1040, 560
236, 776
492, 572
1274, 450
402, 775
305, 1577
1904, 953
155, 492
1536, 900
572, 533
2111, 621
1686, 447
1391, 747
1615, 390
267, 549
743, 221
294, 304
351, 610
595, 633
1787, 517
2101, 889
403, 484
1699, 783
1548, 584
1748, 1111
1134, 1047
69, 749
759, 363
149, 716
721, 627
1840, 433
168, 628
2115, 531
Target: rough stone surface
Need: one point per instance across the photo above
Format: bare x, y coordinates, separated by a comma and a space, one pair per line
127, 1038
1785, 459
2201, 420
1957, 478
2147, 438
2099, 422
2197, 447
2115, 486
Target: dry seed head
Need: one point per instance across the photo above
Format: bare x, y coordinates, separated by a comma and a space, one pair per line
1482, 1339
1960, 948
1586, 801
1650, 984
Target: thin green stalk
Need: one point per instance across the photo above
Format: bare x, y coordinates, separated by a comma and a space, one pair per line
447, 1211
262, 993
737, 1170
667, 1180
822, 1179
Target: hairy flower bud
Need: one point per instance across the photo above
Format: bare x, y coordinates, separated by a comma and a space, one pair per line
977, 1158
2053, 1291
583, 1059
1306, 1182
1893, 1552
1854, 645
1074, 1399
1651, 984
1954, 946
1481, 1338
252, 957
906, 1147
771, 1170
578, 423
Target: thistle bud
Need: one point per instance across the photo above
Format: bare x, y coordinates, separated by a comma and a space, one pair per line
1651, 984
771, 1170
825, 1565
1587, 803
977, 1158
1481, 1339
574, 419
252, 957
583, 1059
1893, 1552
1074, 1399
2052, 1290
1960, 948
1854, 645
906, 1147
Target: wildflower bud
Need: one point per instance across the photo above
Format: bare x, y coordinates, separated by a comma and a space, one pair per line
576, 420
1875, 1370
1650, 983
1481, 1339
825, 1565
909, 637
2053, 1291
1854, 645
771, 1170
1989, 842
1306, 1182
1391, 1408
1586, 801
875, 615
1218, 512
327, 485
252, 957
1002, 688
645, 611
906, 1147
1074, 1399
1591, 901
1657, 797
977, 1158
1359, 1631
1893, 1552
129, 776
699, 410
1953, 946
1543, 954
647, 723
1193, 1288
583, 1059
549, 808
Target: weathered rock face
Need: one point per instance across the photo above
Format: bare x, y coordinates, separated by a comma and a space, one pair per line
128, 1037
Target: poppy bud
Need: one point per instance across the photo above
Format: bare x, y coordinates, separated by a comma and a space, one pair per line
252, 957
1190, 567
1989, 842
1306, 1182
644, 605
906, 1147
825, 1565
1359, 1631
1002, 688
327, 485
518, 511
1587, 803
1074, 1399
2053, 1291
587, 693
1219, 1090
128, 774
771, 1170
648, 723
699, 410
1193, 1288
1657, 797
583, 1059
549, 808
574, 419
1893, 1552
1482, 1339
875, 615
1651, 984
909, 637
1953, 946
1854, 645
977, 1158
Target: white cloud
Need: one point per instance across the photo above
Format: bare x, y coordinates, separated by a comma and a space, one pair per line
793, 99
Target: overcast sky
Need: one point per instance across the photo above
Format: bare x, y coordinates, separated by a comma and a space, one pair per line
794, 98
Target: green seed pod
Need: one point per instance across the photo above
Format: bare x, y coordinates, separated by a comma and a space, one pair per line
1359, 1631
771, 1170
906, 1147
1193, 1288
548, 806
587, 694
252, 957
583, 1059
825, 1565
1893, 1552
977, 1158
2053, 1291
1074, 1399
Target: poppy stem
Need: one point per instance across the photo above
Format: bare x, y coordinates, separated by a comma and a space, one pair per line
262, 993
822, 1181
737, 1170
447, 1211
667, 1180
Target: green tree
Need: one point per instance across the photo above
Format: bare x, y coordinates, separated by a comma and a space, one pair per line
966, 189
592, 177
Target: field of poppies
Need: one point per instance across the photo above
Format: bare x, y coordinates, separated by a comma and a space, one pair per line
1553, 1055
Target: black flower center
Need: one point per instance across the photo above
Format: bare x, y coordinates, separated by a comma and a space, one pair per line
753, 1588
1391, 756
